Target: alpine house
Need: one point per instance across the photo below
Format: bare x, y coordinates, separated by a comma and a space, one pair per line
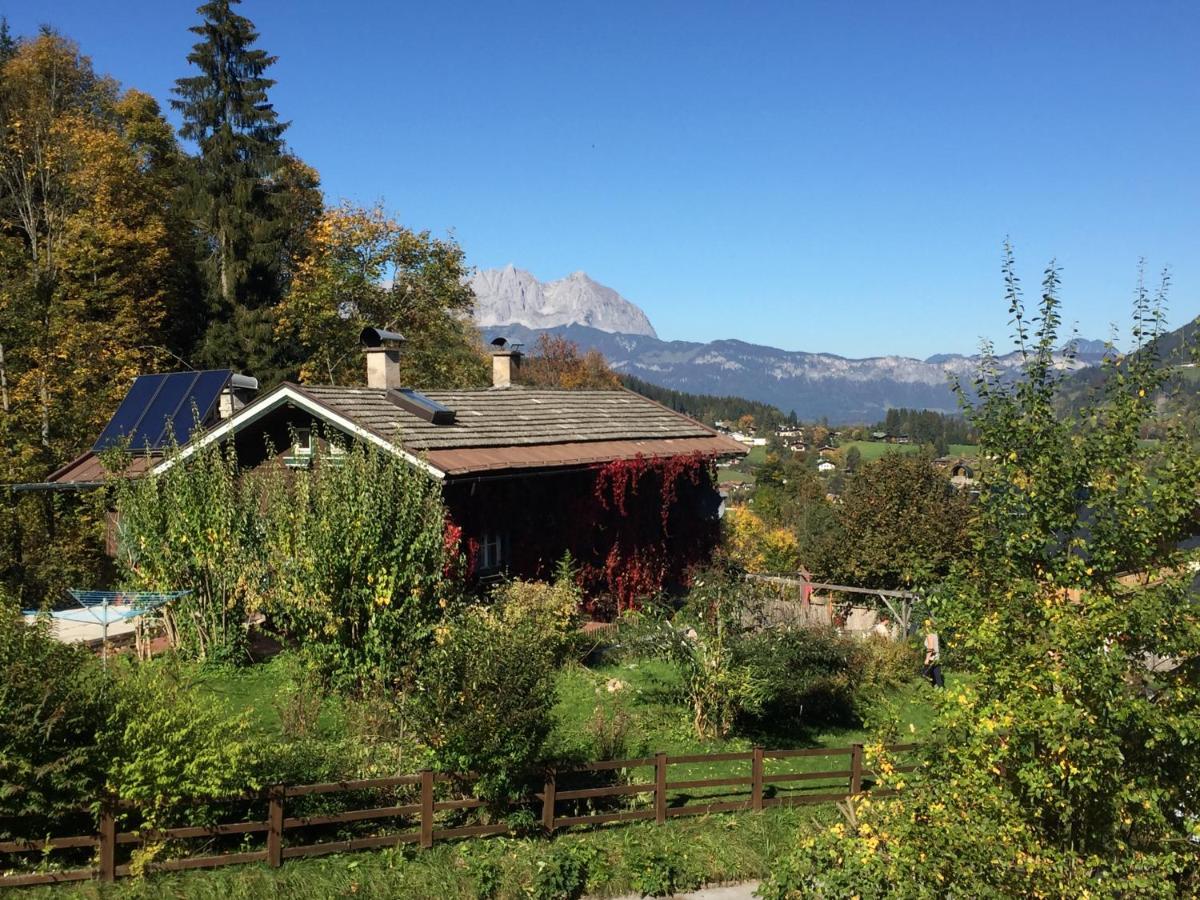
619, 481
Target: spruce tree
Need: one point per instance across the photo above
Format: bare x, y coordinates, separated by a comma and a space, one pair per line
227, 113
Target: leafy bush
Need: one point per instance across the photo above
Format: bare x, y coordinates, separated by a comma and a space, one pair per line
1069, 765
552, 607
878, 663
363, 563
195, 527
803, 675
482, 697
168, 744
353, 557
53, 707
562, 873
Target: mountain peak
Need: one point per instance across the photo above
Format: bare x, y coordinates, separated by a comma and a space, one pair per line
512, 296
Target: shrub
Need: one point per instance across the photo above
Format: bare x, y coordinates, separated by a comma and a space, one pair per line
168, 744
562, 873
53, 704
354, 557
1068, 766
804, 675
878, 663
195, 527
482, 697
363, 562
553, 608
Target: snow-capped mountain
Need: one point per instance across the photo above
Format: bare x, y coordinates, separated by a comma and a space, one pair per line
512, 296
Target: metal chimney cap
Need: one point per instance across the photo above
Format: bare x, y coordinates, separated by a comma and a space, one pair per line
377, 337
243, 382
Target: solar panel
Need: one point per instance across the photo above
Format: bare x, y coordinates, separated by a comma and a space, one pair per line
125, 420
421, 406
158, 406
198, 403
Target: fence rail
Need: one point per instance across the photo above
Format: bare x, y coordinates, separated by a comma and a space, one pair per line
421, 818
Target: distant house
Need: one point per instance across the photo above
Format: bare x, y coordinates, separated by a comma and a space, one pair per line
825, 466
880, 436
518, 466
748, 439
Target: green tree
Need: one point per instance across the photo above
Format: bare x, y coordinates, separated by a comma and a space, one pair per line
853, 459
227, 113
365, 269
1069, 764
789, 495
900, 524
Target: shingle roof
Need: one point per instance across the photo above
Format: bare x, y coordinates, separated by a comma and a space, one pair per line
512, 417
513, 428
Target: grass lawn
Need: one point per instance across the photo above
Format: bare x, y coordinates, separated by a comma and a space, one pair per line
873, 450
757, 456
646, 696
605, 862
734, 474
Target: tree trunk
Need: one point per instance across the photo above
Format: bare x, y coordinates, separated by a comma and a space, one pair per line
3, 382
44, 398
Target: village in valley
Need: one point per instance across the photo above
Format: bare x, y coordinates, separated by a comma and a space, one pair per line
339, 558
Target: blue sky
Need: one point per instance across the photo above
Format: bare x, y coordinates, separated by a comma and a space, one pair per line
816, 176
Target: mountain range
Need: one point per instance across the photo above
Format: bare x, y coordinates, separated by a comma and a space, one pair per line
514, 305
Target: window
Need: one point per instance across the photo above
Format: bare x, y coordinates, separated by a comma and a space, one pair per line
302, 450
491, 551
304, 442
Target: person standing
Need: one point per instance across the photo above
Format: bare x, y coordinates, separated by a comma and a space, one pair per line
933, 656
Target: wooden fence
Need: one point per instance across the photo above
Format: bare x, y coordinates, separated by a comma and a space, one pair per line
421, 816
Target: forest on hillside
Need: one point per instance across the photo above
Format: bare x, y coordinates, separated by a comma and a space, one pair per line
709, 408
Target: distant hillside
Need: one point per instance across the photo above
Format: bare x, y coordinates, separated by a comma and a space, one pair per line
1182, 391
708, 408
814, 386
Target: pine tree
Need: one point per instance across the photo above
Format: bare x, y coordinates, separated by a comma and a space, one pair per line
227, 113
8, 44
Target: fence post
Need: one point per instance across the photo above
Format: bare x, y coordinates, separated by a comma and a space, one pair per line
756, 780
660, 788
426, 809
108, 843
275, 826
548, 791
856, 765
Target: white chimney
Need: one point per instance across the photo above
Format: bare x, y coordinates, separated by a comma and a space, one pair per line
383, 357
237, 393
505, 364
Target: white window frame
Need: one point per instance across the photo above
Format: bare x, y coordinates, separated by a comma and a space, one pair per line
492, 551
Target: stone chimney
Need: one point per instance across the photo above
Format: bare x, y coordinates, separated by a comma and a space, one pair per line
506, 362
382, 349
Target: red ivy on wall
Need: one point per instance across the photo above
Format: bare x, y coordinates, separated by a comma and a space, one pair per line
657, 535
635, 526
